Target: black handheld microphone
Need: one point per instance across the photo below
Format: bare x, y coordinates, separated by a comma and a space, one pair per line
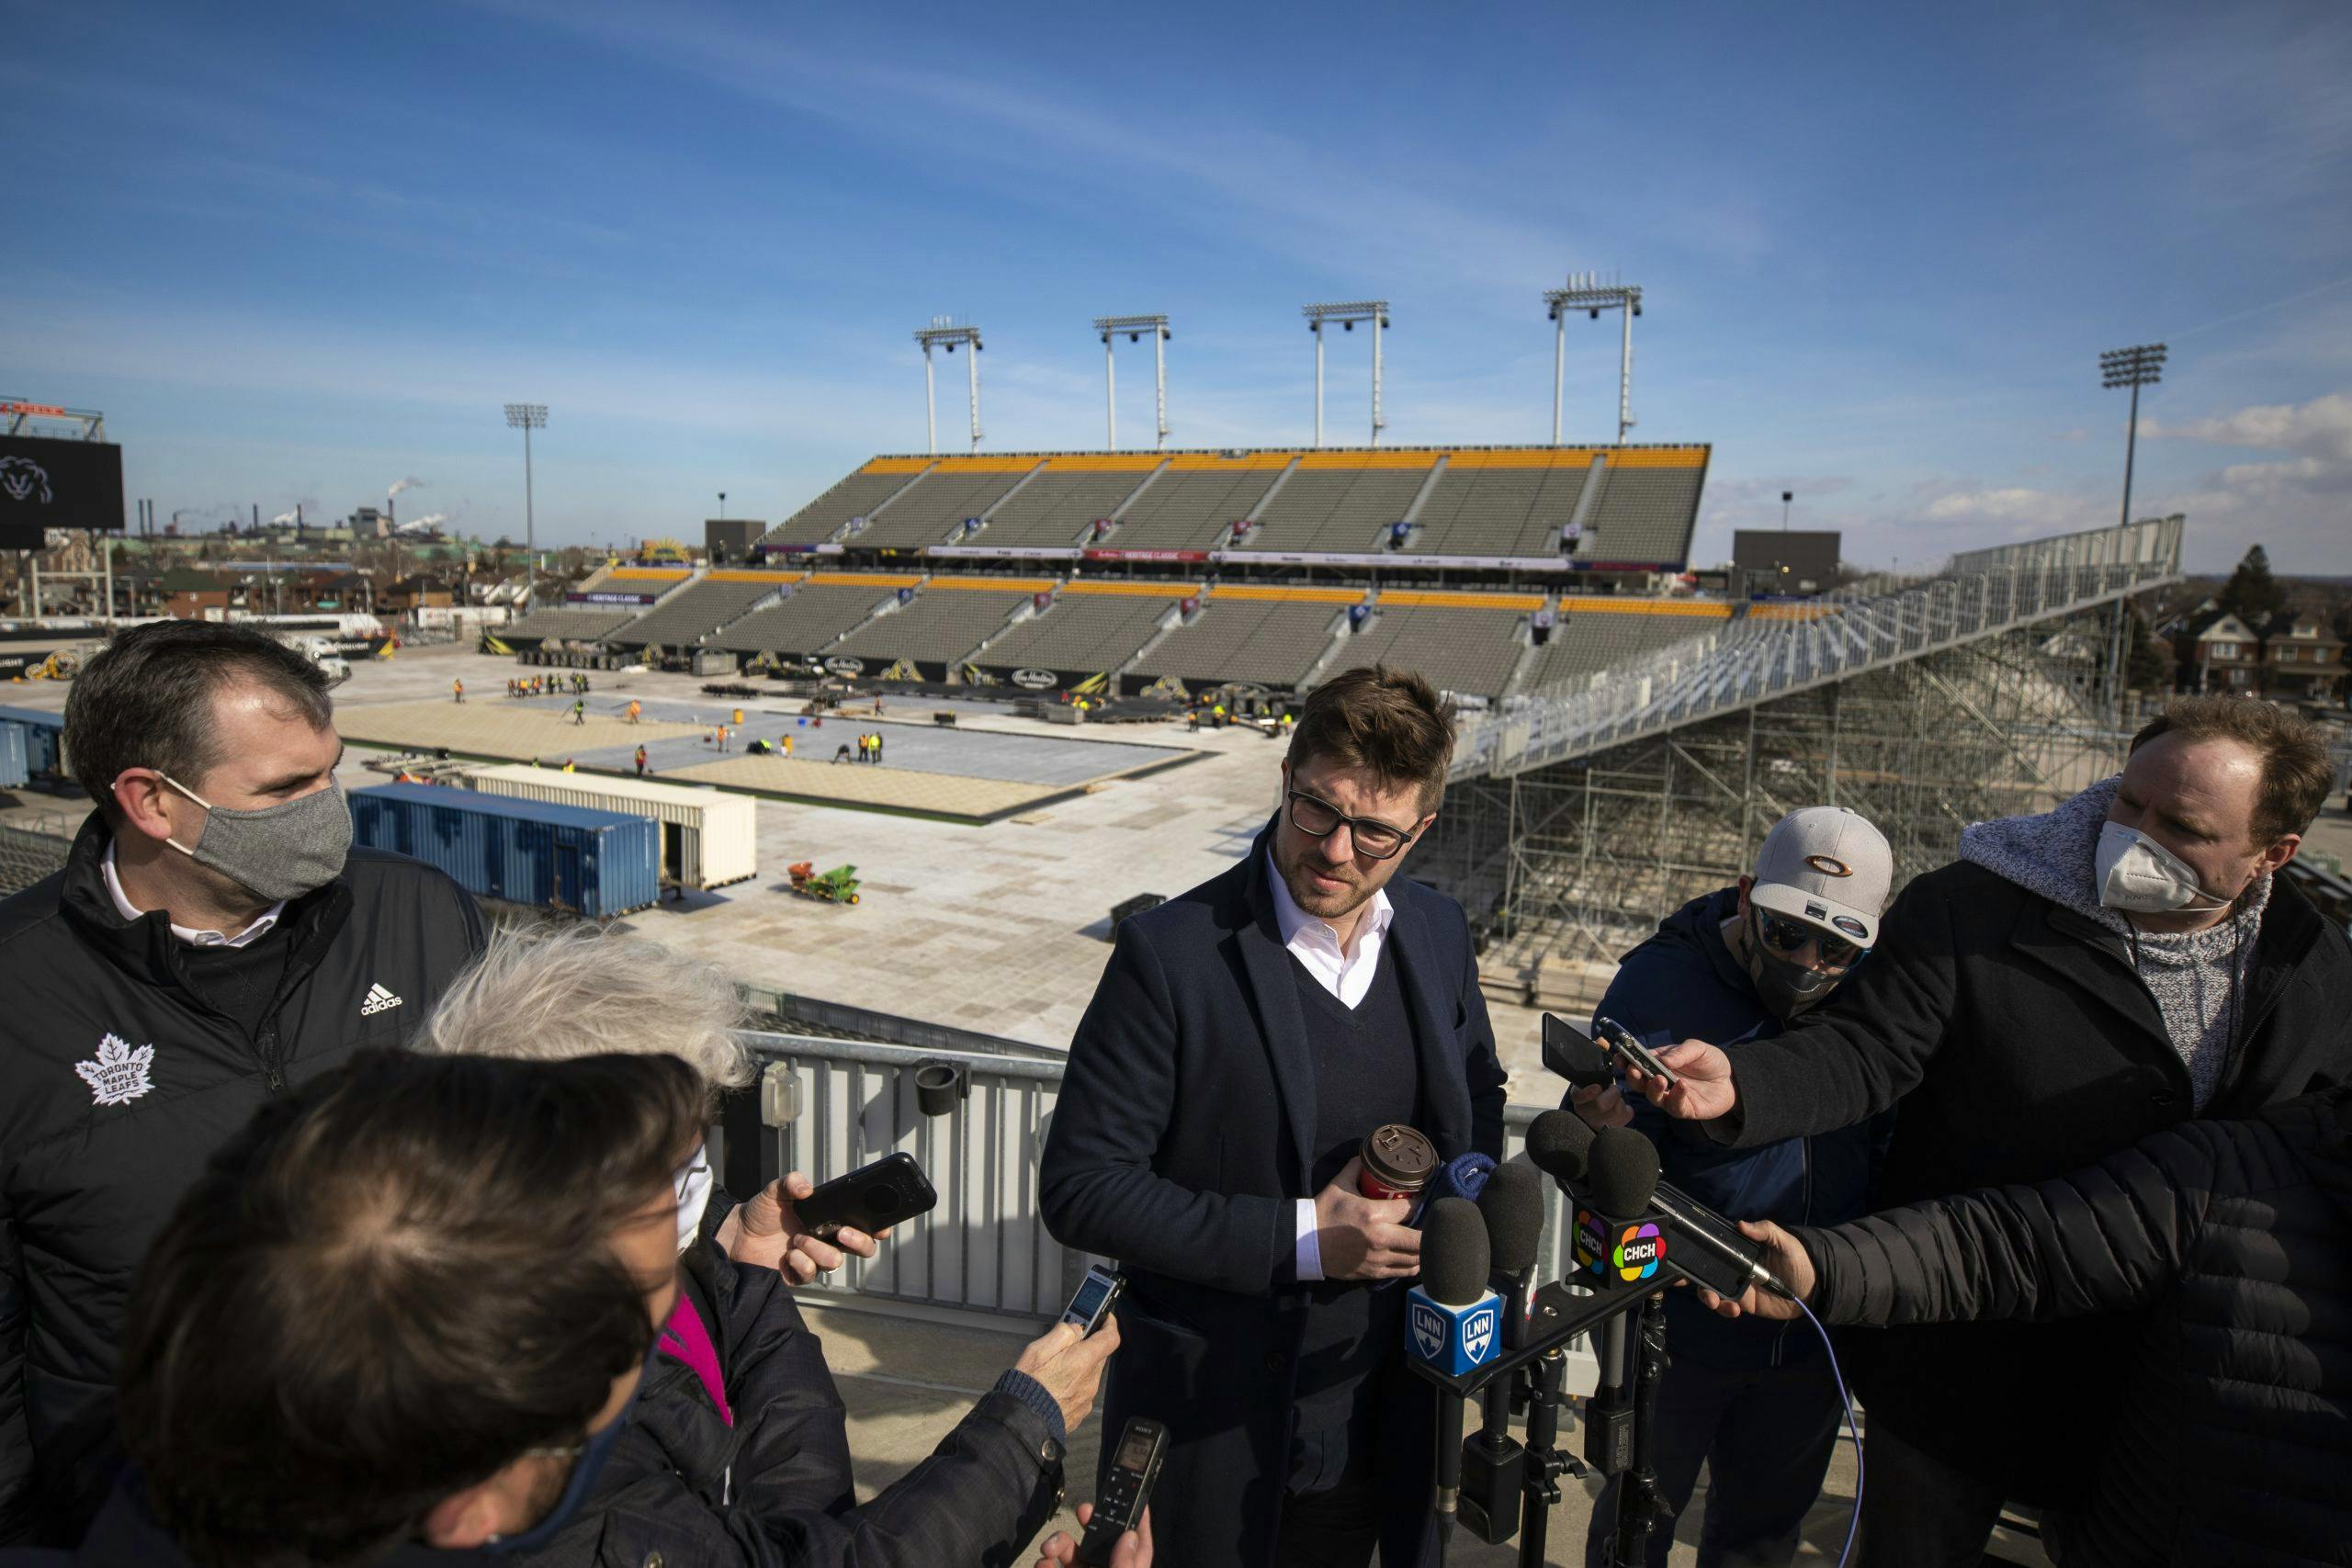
1451, 1326
1719, 1255
1494, 1465
1620, 1178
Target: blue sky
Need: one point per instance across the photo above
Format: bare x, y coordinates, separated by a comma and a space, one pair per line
297, 253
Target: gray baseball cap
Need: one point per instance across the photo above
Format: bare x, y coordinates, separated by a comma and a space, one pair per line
1828, 866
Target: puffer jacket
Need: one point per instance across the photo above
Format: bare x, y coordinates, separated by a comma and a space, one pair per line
2234, 1442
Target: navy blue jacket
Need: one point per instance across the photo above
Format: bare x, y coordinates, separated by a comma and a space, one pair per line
1180, 1144
1683, 984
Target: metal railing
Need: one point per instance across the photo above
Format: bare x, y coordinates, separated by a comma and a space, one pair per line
1775, 651
828, 1106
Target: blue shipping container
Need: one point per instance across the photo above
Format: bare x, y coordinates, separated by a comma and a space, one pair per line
44, 736
525, 852
13, 770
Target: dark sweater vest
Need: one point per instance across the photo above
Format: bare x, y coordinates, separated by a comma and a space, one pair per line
1366, 1073
240, 981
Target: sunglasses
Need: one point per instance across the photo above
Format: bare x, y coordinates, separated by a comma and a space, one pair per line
1320, 819
1787, 936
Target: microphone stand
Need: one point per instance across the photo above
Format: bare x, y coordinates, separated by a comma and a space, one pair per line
1638, 1504
1545, 1463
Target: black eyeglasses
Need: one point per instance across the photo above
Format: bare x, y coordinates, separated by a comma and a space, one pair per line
1784, 935
1320, 819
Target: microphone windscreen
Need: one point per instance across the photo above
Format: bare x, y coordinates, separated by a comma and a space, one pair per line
1560, 1144
1513, 1206
1454, 1257
1621, 1173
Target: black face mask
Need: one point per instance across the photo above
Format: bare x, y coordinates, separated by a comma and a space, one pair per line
1786, 986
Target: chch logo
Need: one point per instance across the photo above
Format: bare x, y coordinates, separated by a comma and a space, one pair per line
21, 479
1478, 1332
1639, 1252
1428, 1331
120, 1075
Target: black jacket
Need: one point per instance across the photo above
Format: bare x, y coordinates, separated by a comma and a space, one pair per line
1180, 1144
2235, 1443
2022, 1045
84, 1186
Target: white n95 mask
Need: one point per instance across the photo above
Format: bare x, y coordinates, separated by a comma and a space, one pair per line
2139, 874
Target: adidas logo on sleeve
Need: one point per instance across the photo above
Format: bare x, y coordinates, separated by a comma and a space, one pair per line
379, 1001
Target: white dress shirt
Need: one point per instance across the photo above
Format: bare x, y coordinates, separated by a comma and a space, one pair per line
129, 911
1345, 975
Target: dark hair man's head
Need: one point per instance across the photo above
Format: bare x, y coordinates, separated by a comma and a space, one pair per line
2228, 785
394, 1303
176, 717
1365, 773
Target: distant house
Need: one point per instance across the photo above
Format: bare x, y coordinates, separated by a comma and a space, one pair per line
2302, 661
2223, 655
193, 595
414, 593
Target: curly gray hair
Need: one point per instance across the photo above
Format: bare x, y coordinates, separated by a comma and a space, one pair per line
550, 993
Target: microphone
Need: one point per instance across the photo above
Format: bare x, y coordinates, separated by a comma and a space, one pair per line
1494, 1465
1559, 1143
1451, 1327
1620, 1178
1723, 1258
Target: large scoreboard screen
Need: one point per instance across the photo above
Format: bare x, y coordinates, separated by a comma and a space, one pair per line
50, 483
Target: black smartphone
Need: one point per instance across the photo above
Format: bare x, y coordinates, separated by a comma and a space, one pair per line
1621, 1039
890, 1191
1571, 1052
1126, 1491
1093, 1300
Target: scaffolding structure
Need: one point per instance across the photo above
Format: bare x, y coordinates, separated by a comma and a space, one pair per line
1578, 821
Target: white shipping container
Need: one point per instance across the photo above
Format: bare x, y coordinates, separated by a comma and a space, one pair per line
709, 837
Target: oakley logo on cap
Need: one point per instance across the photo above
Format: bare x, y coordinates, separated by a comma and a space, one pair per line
1829, 865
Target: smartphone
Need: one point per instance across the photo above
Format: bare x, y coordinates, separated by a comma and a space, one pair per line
888, 1192
1126, 1491
1621, 1039
1093, 1300
1571, 1052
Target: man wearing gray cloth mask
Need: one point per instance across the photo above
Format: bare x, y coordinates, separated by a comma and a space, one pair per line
212, 940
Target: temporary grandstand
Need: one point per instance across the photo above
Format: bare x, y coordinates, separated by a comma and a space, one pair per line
1628, 781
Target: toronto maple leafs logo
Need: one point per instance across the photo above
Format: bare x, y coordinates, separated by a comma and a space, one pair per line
120, 1075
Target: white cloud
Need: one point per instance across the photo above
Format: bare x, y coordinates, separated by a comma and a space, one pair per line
2023, 509
2320, 429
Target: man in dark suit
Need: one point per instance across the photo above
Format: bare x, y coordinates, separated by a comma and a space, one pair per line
1243, 1040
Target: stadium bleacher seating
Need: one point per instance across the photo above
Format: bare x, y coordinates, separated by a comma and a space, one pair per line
816, 613
857, 496
1087, 632
1188, 506
931, 510
1463, 647
1055, 507
586, 623
1240, 637
941, 624
1340, 502
1645, 508
1502, 503
691, 613
1586, 640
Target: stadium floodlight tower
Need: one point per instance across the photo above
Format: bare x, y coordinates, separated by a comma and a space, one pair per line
1348, 315
944, 333
527, 417
1587, 292
1134, 327
2133, 368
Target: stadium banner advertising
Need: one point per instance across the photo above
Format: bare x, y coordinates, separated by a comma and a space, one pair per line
1385, 557
797, 550
49, 483
1111, 555
607, 596
1003, 552
845, 664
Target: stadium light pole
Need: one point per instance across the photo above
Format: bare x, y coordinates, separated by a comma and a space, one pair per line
527, 417
1134, 327
944, 333
1348, 315
2135, 367
1587, 292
